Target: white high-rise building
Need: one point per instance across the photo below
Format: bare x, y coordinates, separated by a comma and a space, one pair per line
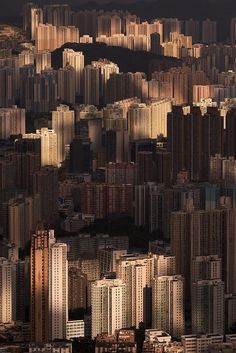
63, 123
168, 304
108, 306
7, 291
76, 60
59, 290
49, 152
12, 122
137, 272
49, 148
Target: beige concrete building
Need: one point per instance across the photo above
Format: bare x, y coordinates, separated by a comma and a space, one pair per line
76, 60
108, 306
168, 304
208, 306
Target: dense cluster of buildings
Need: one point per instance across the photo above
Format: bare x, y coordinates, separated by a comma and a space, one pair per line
87, 145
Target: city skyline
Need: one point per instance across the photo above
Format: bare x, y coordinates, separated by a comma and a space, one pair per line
118, 177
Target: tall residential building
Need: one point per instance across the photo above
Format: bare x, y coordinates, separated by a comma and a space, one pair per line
216, 168
27, 159
49, 37
121, 86
163, 167
46, 37
91, 85
108, 24
115, 115
165, 265
192, 139
76, 60
49, 287
102, 199
106, 69
26, 57
42, 61
137, 272
153, 204
59, 290
230, 311
27, 18
49, 150
22, 288
96, 77
168, 304
141, 203
23, 215
81, 155
230, 133
41, 243
25, 73
89, 125
159, 111
209, 31
208, 306
67, 84
175, 84
12, 122
156, 47
36, 18
204, 233
116, 143
145, 167
7, 291
40, 91
170, 25
28, 145
233, 30
108, 306
192, 28
8, 78
63, 123
108, 257
206, 268
139, 121
45, 183
77, 285
57, 14
67, 34
121, 173
91, 268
